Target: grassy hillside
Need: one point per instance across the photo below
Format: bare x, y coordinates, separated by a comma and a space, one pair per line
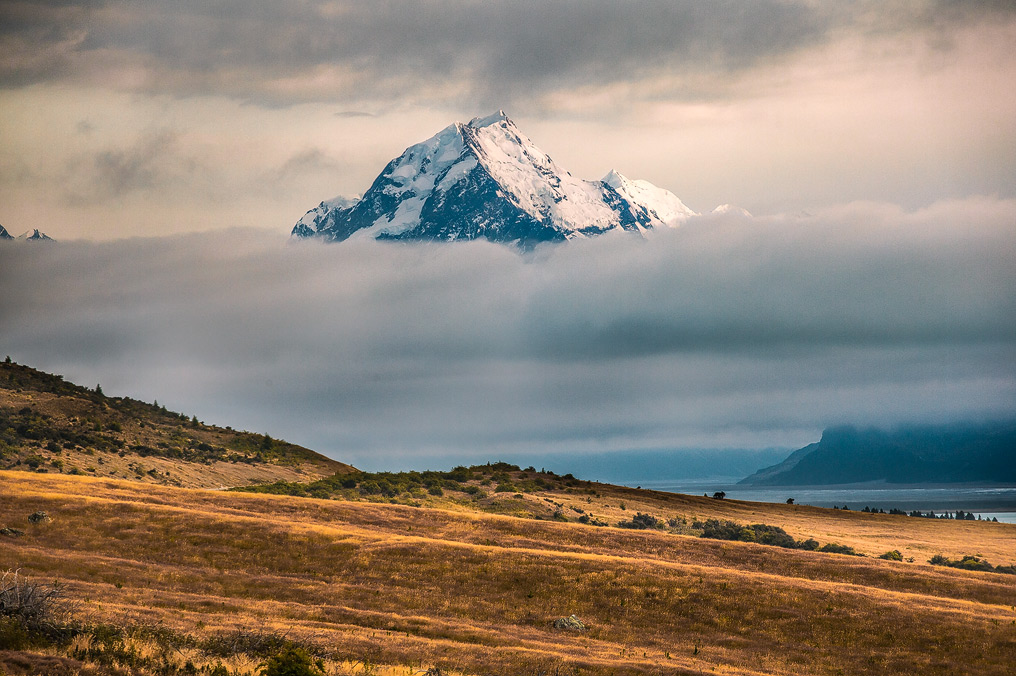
50, 425
170, 580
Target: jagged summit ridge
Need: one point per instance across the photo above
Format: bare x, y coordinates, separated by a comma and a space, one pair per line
33, 235
487, 179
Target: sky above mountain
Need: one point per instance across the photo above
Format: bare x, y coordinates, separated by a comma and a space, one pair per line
150, 118
171, 146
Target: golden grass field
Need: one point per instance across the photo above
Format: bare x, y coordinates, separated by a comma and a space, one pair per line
395, 589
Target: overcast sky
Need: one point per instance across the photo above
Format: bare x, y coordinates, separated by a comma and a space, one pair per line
171, 146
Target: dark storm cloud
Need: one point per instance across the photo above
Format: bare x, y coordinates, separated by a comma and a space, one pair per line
284, 52
727, 331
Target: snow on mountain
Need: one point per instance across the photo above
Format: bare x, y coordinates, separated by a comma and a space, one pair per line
4, 234
661, 207
307, 226
35, 236
731, 209
486, 179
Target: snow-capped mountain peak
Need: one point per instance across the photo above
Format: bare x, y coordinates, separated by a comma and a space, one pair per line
487, 179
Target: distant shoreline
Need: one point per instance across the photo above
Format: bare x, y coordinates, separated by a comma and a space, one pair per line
994, 498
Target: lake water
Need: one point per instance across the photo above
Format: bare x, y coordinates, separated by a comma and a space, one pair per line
998, 501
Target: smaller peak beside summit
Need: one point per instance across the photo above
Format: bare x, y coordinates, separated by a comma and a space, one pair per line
495, 118
731, 209
659, 206
4, 235
615, 179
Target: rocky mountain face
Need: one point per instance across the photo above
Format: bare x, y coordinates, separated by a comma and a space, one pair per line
35, 236
31, 236
486, 179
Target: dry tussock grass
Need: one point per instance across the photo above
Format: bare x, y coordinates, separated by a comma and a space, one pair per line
410, 588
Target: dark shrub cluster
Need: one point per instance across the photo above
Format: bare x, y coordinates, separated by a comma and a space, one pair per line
766, 535
293, 661
642, 522
971, 562
758, 532
590, 520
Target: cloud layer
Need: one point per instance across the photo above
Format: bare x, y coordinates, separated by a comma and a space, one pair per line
726, 332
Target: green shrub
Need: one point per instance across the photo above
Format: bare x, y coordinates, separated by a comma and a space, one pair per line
758, 532
892, 555
293, 661
834, 548
974, 563
971, 562
370, 488
641, 522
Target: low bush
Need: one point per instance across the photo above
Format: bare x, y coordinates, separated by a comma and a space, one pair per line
765, 534
758, 532
292, 661
257, 642
35, 607
641, 522
971, 562
834, 548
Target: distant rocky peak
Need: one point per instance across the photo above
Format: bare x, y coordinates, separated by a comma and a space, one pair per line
35, 236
